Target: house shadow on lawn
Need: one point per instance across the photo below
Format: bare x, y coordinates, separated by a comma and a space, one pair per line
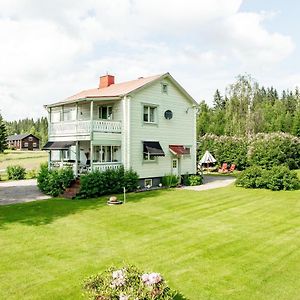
47, 211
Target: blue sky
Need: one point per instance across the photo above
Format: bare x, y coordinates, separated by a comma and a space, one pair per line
52, 49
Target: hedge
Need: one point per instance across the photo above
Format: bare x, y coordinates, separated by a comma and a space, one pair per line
265, 150
111, 181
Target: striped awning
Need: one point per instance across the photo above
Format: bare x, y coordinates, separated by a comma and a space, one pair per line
58, 145
153, 148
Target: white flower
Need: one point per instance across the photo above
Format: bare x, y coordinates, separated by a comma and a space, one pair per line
152, 278
145, 277
117, 274
123, 297
118, 278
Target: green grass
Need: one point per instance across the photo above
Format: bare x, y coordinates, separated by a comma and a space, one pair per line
227, 243
27, 159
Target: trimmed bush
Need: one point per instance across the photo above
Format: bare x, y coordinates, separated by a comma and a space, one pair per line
15, 172
128, 283
170, 180
281, 178
251, 178
275, 179
112, 181
54, 182
195, 180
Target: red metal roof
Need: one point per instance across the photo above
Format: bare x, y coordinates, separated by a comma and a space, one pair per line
179, 149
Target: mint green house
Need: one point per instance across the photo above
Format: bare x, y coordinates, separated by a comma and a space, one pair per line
147, 124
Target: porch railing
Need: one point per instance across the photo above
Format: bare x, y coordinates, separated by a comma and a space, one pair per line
85, 127
105, 166
86, 168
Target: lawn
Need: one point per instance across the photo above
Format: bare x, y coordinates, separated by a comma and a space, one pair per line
227, 243
27, 159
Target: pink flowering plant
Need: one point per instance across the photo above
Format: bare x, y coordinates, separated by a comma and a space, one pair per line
128, 283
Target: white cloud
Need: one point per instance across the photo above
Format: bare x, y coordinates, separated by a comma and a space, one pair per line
51, 49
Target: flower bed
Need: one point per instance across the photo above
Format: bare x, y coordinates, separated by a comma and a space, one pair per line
128, 283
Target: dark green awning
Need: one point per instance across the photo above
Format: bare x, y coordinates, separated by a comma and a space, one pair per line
58, 145
153, 148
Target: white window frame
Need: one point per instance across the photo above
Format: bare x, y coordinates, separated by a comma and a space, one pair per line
150, 182
34, 144
102, 153
149, 158
65, 155
164, 88
148, 108
109, 112
26, 144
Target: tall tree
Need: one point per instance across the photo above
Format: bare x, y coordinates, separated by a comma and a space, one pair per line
3, 135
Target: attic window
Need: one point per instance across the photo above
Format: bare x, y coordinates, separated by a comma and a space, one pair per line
164, 88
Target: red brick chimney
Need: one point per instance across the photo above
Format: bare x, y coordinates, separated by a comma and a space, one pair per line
106, 81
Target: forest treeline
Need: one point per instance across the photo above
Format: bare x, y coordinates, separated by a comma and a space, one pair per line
38, 127
246, 108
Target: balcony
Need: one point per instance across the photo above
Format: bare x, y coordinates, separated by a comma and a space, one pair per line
84, 127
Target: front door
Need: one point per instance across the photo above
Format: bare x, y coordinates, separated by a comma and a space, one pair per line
175, 168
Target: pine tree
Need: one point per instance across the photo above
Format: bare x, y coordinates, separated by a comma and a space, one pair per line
3, 135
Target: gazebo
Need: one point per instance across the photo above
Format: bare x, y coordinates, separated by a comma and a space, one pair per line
207, 158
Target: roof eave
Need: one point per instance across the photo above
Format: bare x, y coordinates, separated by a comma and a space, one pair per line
82, 100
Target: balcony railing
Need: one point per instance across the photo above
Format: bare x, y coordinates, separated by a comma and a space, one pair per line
85, 127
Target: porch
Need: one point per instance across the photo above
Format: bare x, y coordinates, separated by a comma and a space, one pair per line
84, 156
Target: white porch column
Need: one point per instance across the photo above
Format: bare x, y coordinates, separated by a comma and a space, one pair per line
76, 159
124, 148
91, 134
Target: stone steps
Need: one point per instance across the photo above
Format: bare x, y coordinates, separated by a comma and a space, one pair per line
72, 191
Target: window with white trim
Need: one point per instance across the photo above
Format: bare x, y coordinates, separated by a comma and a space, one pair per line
149, 157
65, 154
107, 153
34, 145
148, 183
105, 112
164, 88
25, 144
150, 113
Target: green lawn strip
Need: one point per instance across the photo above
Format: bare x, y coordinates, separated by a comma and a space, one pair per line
227, 243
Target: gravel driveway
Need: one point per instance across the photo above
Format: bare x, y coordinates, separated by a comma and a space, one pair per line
212, 182
20, 191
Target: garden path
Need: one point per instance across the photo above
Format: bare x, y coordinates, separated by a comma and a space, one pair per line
20, 191
212, 182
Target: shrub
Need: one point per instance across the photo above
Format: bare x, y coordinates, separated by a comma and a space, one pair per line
185, 179
268, 150
111, 181
251, 178
54, 182
277, 178
170, 180
128, 283
195, 179
281, 178
31, 174
15, 172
